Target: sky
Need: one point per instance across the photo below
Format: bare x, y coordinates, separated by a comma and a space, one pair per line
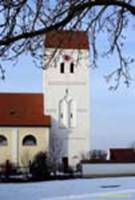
112, 116
113, 112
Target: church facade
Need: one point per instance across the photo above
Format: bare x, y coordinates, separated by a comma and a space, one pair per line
58, 120
24, 130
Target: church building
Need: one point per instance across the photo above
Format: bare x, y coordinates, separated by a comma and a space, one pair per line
58, 120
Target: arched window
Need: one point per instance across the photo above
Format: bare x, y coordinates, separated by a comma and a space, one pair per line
3, 140
29, 140
63, 118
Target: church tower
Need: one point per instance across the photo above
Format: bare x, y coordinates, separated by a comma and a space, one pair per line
66, 92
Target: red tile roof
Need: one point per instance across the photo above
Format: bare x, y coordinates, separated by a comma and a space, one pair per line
67, 39
22, 110
122, 154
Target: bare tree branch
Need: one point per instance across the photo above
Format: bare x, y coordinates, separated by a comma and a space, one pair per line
73, 11
24, 24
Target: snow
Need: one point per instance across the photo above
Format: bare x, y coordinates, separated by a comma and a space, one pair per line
76, 189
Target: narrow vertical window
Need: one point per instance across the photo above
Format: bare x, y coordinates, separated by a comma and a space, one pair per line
72, 67
72, 114
62, 68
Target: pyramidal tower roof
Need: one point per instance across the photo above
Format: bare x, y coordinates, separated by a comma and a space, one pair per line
67, 39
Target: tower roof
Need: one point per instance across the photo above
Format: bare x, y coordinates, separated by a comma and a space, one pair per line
67, 40
22, 109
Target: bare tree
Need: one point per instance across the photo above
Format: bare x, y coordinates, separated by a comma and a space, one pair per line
55, 152
24, 24
95, 154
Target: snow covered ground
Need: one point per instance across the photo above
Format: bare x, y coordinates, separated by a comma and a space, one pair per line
77, 189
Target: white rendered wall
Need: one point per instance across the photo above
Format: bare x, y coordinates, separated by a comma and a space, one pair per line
108, 169
75, 134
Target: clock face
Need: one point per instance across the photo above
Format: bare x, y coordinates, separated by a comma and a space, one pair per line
67, 58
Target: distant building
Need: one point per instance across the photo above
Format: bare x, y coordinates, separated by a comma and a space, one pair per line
122, 155
30, 123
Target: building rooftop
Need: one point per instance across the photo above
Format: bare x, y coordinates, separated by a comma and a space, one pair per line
67, 39
22, 109
122, 154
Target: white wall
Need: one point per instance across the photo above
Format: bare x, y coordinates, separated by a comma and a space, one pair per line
55, 85
103, 169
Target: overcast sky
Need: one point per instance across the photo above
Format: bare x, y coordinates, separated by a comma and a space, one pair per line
112, 112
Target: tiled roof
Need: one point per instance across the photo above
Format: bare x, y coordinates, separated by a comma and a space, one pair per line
22, 109
122, 154
67, 39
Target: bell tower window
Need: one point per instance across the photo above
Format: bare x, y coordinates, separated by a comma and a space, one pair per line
72, 68
62, 68
63, 118
72, 113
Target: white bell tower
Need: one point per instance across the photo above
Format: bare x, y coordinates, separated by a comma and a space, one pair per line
66, 91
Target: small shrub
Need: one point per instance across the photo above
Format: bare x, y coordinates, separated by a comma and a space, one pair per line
95, 155
7, 169
40, 166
